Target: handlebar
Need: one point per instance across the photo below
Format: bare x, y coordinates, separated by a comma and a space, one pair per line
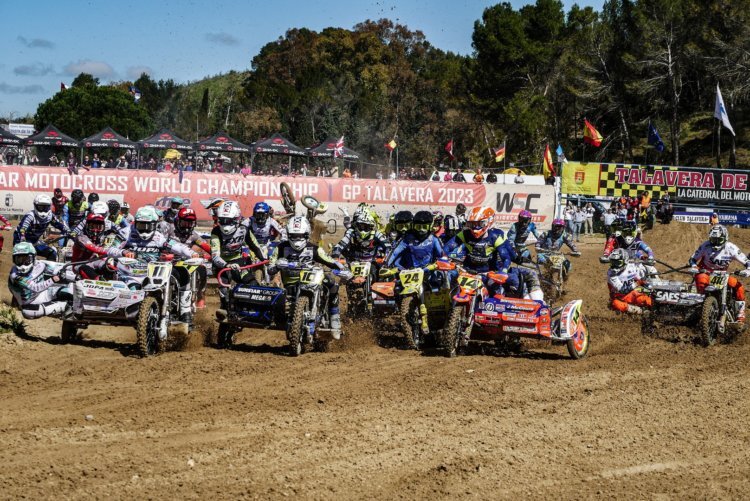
246, 267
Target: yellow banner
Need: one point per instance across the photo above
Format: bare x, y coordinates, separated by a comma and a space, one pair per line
580, 179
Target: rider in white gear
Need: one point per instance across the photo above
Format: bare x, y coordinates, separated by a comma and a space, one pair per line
38, 287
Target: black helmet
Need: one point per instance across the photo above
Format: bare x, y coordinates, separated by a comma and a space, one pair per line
450, 223
422, 223
460, 209
114, 207
76, 196
402, 221
93, 197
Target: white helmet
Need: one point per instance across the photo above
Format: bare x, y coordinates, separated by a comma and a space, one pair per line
297, 232
718, 237
24, 257
43, 207
146, 220
229, 217
100, 208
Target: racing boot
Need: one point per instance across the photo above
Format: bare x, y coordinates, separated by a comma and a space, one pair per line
335, 323
740, 311
423, 314
635, 310
186, 307
200, 303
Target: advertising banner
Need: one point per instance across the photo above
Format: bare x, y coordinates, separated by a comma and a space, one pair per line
688, 185
19, 185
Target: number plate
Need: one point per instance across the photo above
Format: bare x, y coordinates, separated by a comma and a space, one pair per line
311, 277
469, 282
359, 269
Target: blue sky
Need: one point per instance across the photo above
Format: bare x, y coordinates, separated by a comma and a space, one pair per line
48, 42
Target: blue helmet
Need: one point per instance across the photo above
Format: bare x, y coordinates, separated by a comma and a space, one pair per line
261, 211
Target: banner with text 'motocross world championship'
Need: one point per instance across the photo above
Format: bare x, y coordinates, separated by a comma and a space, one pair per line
19, 185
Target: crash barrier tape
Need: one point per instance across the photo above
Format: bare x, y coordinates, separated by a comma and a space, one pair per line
685, 185
19, 185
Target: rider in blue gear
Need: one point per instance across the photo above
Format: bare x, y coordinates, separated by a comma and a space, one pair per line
519, 232
553, 240
34, 223
419, 247
263, 226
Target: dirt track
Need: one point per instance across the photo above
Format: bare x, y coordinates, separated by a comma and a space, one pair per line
638, 418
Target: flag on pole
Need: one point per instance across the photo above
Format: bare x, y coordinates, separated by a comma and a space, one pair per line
549, 167
338, 150
391, 145
560, 154
654, 139
63, 86
449, 149
590, 134
499, 154
720, 111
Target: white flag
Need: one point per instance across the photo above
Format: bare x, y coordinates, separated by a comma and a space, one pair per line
720, 111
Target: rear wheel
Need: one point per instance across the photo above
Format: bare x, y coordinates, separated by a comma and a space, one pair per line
709, 322
287, 198
578, 345
69, 332
147, 328
225, 336
449, 337
295, 327
410, 321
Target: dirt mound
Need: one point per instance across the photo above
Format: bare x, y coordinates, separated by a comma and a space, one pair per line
639, 417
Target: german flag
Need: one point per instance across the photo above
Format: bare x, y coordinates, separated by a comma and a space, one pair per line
590, 134
499, 154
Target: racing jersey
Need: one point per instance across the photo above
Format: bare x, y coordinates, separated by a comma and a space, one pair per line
709, 259
73, 215
226, 248
414, 253
84, 248
354, 249
58, 205
151, 249
520, 282
26, 288
32, 227
548, 242
170, 215
492, 252
517, 237
110, 228
266, 232
638, 249
311, 253
192, 239
627, 279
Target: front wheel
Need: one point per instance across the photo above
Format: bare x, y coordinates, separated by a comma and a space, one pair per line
450, 336
147, 328
294, 331
709, 322
410, 321
578, 345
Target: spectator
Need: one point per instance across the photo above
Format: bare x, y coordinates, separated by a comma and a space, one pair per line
492, 177
111, 162
303, 170
347, 173
714, 220
72, 164
589, 218
448, 176
246, 170
86, 162
379, 174
95, 162
392, 175
435, 176
579, 220
53, 161
34, 159
519, 178
568, 216
478, 177
608, 218
219, 164
458, 177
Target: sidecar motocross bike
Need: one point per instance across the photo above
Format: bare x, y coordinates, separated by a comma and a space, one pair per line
477, 315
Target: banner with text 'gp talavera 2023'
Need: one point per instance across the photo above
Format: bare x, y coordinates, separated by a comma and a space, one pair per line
689, 185
19, 185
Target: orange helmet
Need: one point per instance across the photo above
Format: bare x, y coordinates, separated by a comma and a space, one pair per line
480, 220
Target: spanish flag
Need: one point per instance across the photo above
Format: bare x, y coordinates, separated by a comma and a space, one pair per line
548, 167
590, 134
499, 154
391, 145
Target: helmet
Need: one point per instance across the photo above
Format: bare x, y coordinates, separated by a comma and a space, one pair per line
460, 209
718, 237
94, 226
57, 193
524, 218
114, 207
437, 218
364, 227
176, 203
558, 225
402, 221
93, 197
24, 255
76, 196
146, 220
617, 260
125, 208
261, 211
480, 220
185, 222
43, 206
629, 231
422, 224
100, 208
229, 216
297, 232
451, 225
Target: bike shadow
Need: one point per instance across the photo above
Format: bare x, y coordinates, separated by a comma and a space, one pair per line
266, 348
125, 349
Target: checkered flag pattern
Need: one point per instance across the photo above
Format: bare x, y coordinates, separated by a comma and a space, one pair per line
608, 185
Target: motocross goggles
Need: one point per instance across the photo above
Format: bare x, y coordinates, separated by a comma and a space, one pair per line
145, 226
402, 227
422, 227
261, 217
477, 225
42, 207
185, 225
23, 259
95, 227
227, 221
